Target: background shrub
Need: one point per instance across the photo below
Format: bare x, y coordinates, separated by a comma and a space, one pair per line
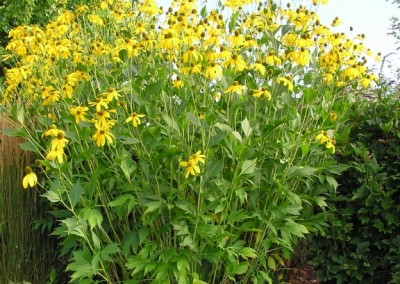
362, 244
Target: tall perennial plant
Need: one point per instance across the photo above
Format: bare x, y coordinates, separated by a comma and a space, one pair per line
192, 149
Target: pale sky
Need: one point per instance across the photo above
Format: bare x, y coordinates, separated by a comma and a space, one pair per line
369, 17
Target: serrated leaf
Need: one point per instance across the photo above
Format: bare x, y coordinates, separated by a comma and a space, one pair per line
296, 229
187, 241
246, 127
109, 249
320, 201
120, 200
75, 194
93, 216
300, 171
337, 169
271, 263
332, 182
173, 125
279, 259
21, 113
28, 146
96, 241
153, 206
193, 119
237, 136
248, 167
14, 132
51, 196
248, 252
80, 266
238, 268
265, 276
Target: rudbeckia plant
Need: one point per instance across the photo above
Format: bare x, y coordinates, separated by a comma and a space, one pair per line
210, 177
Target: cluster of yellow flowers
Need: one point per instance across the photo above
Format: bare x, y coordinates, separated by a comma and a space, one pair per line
324, 138
51, 63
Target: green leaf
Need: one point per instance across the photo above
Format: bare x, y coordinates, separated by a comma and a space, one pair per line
15, 132
96, 241
173, 125
309, 94
187, 241
28, 146
93, 216
237, 216
248, 167
305, 148
300, 171
271, 263
320, 201
213, 169
196, 279
155, 88
338, 169
332, 182
121, 200
295, 228
73, 227
136, 263
75, 194
238, 268
51, 196
81, 265
186, 206
237, 136
109, 249
126, 164
21, 113
246, 127
193, 119
153, 206
265, 276
248, 252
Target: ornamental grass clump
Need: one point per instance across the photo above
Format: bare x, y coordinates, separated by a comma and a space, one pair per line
187, 150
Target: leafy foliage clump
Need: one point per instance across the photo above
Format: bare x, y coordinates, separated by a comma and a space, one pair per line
362, 243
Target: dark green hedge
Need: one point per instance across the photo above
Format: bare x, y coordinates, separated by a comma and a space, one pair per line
363, 242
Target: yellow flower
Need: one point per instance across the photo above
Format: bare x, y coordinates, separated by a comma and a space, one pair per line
30, 179
58, 143
94, 19
53, 131
101, 136
100, 102
213, 71
236, 40
285, 82
262, 92
322, 137
259, 67
59, 155
178, 83
57, 148
191, 168
79, 113
111, 95
333, 116
198, 157
135, 118
235, 88
330, 144
236, 62
191, 164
